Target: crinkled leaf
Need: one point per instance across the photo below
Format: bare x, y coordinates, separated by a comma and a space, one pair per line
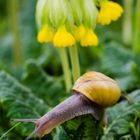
60, 134
121, 115
19, 102
116, 60
127, 83
83, 128
49, 88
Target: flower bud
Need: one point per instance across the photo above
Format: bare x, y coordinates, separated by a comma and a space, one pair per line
69, 19
42, 12
76, 11
89, 13
58, 12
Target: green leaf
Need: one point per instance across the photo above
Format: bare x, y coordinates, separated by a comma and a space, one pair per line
46, 87
121, 115
116, 60
83, 128
19, 102
136, 71
127, 83
60, 134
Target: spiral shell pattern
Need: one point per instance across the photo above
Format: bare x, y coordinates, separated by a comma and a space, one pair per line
99, 88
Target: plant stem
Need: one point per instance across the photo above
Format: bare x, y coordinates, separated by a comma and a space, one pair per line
66, 69
74, 62
136, 39
16, 37
9, 130
134, 130
127, 22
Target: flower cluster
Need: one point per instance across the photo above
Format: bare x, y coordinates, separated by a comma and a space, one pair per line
65, 22
109, 11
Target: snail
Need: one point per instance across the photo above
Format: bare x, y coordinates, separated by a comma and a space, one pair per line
92, 93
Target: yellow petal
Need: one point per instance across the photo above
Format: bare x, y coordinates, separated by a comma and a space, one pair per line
63, 38
89, 39
79, 32
45, 35
109, 11
115, 7
104, 17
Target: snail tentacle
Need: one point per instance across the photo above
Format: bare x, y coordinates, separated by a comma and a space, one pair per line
25, 120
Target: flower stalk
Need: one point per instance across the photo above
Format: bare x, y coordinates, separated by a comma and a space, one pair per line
74, 62
127, 22
16, 37
136, 35
65, 66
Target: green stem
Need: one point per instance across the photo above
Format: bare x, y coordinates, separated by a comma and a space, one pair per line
74, 62
127, 22
9, 130
136, 39
66, 69
14, 24
134, 130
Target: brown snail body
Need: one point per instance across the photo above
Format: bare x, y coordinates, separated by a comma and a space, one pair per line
92, 93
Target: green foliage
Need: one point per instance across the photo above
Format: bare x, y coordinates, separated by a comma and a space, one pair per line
116, 60
83, 128
43, 85
123, 117
123, 66
60, 134
31, 89
39, 89
19, 102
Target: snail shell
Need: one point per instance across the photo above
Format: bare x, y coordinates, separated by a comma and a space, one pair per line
99, 88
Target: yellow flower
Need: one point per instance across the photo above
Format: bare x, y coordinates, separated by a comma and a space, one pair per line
109, 11
63, 38
79, 32
89, 39
45, 35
